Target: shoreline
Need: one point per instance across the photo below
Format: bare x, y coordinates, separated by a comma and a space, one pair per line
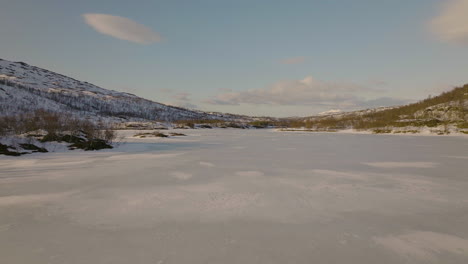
424, 132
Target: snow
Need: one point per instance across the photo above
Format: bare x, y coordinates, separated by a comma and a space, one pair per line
26, 88
250, 173
331, 112
396, 131
423, 245
239, 196
392, 165
337, 113
206, 164
181, 175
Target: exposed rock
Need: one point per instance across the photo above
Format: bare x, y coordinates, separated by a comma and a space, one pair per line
33, 148
92, 144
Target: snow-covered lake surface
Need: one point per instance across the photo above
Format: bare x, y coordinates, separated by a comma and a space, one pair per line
240, 196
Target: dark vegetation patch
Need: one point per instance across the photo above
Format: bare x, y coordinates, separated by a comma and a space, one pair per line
92, 144
462, 124
33, 148
63, 138
5, 150
176, 134
381, 131
56, 127
262, 124
153, 134
158, 134
208, 123
406, 131
234, 125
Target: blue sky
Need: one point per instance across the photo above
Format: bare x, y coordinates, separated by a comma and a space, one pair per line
257, 57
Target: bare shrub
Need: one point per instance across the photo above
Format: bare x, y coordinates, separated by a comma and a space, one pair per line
55, 124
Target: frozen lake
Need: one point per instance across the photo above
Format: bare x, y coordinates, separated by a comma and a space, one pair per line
240, 196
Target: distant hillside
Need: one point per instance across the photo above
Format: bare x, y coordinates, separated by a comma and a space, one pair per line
442, 114
25, 88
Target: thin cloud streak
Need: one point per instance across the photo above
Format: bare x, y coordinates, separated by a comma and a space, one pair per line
121, 28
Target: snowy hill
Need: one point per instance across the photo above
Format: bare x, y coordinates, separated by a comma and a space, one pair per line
442, 114
25, 88
341, 114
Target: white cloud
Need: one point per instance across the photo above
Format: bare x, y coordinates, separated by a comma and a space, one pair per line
121, 28
182, 99
451, 24
293, 60
382, 101
308, 92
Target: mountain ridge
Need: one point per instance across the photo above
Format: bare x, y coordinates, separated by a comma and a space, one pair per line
24, 87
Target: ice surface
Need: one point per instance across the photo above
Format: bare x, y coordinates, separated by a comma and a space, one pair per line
240, 196
391, 165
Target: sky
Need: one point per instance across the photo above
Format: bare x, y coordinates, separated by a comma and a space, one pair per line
255, 57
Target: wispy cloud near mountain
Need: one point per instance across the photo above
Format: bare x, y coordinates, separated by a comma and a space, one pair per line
183, 96
308, 92
293, 92
121, 28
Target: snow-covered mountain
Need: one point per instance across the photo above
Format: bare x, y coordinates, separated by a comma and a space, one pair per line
25, 88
